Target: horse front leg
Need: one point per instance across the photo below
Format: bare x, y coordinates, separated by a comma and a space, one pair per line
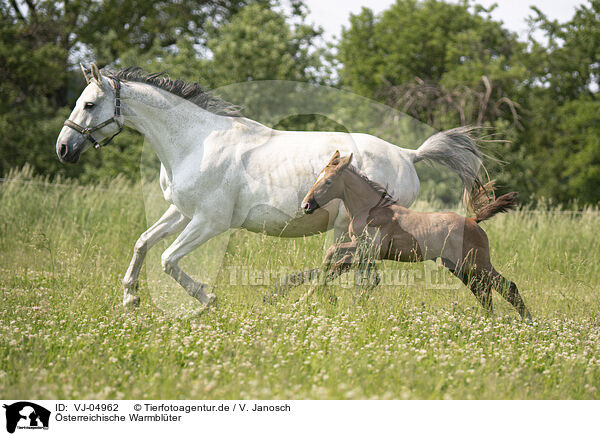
196, 233
170, 223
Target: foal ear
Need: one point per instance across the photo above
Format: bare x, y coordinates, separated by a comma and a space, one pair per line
96, 74
86, 73
334, 159
345, 162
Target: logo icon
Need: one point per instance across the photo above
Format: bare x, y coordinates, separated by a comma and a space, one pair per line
26, 415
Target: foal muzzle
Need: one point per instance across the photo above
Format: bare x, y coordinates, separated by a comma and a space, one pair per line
309, 206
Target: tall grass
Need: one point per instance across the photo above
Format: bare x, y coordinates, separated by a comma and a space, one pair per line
63, 334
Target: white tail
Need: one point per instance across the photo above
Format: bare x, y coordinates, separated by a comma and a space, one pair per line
456, 149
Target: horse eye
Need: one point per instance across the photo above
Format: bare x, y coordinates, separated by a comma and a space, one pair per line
89, 105
327, 182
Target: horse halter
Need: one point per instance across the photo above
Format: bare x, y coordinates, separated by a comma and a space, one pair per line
87, 131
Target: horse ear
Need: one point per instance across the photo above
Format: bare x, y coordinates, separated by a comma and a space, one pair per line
344, 163
86, 73
334, 159
96, 74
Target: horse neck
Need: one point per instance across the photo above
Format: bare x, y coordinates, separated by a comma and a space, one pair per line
359, 196
173, 126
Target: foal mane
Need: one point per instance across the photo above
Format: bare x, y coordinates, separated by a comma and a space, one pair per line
191, 92
386, 198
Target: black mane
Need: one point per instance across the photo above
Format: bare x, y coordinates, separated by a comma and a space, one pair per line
192, 92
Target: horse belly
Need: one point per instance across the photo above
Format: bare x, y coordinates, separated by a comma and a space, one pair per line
274, 222
403, 247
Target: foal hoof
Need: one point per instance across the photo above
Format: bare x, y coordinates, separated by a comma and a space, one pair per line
276, 291
131, 301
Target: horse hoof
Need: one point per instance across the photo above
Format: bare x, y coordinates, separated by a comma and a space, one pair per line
130, 301
210, 302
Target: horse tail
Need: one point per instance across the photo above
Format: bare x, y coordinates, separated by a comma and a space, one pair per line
456, 149
502, 204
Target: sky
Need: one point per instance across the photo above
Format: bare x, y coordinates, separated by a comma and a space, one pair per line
333, 14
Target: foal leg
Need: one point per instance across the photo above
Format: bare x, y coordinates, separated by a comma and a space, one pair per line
196, 233
479, 283
365, 256
337, 260
509, 291
292, 280
170, 223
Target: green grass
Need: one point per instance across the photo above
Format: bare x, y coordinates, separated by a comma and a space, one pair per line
63, 334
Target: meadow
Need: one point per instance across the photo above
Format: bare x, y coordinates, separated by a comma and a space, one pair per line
63, 333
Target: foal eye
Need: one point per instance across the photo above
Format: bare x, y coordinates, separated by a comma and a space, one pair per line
89, 105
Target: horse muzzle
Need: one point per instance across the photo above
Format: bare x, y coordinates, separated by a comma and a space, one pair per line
68, 154
309, 206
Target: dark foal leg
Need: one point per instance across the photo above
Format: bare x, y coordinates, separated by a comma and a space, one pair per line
479, 283
336, 263
510, 292
337, 260
340, 258
292, 280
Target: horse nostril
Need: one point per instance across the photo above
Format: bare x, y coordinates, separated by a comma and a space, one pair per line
63, 150
307, 207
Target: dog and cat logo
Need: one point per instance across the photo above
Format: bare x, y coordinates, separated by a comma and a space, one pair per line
26, 415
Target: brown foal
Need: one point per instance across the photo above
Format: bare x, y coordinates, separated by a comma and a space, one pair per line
393, 232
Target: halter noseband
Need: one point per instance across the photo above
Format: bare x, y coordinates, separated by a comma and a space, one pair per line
87, 131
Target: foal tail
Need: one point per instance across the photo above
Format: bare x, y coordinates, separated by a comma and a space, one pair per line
502, 204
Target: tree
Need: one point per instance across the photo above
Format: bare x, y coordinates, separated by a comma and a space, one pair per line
561, 130
445, 64
41, 42
260, 44
423, 39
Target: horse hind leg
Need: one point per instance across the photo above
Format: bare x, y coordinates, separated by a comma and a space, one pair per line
510, 293
477, 281
196, 233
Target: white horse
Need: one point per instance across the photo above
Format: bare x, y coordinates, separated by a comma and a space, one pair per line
220, 170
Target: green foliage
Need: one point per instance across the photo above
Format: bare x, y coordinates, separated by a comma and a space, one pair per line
569, 63
40, 84
424, 39
259, 44
559, 140
449, 64
574, 170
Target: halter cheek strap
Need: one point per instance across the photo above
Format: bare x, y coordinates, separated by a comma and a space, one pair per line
87, 131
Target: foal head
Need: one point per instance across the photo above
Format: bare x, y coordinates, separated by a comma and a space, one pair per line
329, 184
